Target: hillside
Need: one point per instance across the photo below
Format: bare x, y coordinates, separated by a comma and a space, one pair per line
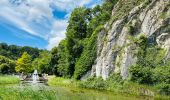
14, 52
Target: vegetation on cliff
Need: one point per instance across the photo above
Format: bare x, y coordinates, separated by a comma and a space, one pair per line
77, 53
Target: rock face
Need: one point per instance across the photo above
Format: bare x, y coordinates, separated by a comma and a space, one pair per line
115, 53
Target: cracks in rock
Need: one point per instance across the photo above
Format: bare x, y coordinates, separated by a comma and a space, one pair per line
148, 8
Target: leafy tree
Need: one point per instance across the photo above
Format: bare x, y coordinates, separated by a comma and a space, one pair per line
54, 60
76, 32
34, 52
7, 66
76, 54
88, 56
64, 67
23, 64
70, 49
42, 63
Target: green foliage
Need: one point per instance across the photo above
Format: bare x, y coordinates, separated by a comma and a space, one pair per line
149, 57
85, 62
78, 23
76, 54
6, 65
163, 88
151, 67
14, 52
112, 83
94, 83
63, 67
76, 31
141, 74
23, 64
54, 60
162, 74
101, 14
42, 63
71, 48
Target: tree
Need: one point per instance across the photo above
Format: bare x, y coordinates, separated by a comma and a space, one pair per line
13, 52
64, 67
77, 53
88, 56
7, 66
54, 60
42, 63
24, 63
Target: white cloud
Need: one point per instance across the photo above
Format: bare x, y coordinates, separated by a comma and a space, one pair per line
68, 5
58, 33
36, 17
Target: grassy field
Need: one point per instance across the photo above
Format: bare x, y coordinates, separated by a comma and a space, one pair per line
58, 93
128, 88
6, 79
59, 81
25, 93
11, 89
69, 89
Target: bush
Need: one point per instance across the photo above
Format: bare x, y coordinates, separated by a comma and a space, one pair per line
162, 74
94, 83
7, 66
151, 68
113, 82
164, 88
141, 74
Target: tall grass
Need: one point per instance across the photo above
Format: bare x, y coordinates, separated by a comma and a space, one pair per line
116, 86
6, 79
26, 93
58, 93
59, 81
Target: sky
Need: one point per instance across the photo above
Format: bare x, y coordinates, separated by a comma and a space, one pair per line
37, 23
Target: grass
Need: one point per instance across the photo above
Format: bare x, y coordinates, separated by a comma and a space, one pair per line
57, 93
26, 93
6, 79
64, 89
59, 81
125, 88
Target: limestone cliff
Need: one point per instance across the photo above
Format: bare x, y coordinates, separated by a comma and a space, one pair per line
131, 18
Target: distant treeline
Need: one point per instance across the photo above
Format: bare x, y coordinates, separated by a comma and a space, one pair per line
17, 59
14, 52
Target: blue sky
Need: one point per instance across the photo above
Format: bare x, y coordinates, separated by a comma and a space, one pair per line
37, 23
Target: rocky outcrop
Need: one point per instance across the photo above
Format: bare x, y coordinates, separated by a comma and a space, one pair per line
115, 51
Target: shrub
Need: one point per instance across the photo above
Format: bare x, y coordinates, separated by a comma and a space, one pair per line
6, 65
162, 74
113, 82
163, 88
141, 74
94, 83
